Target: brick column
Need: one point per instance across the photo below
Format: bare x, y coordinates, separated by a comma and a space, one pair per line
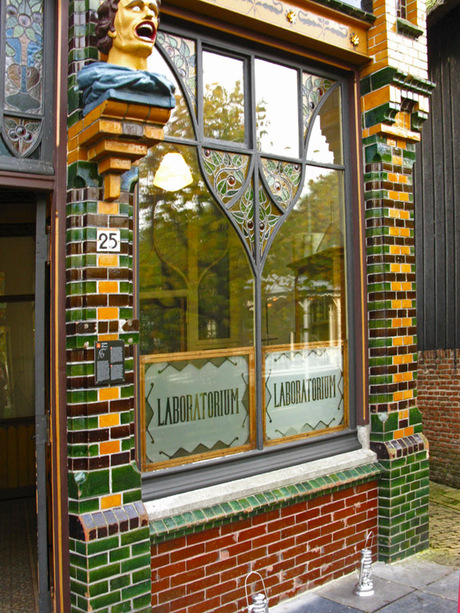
395, 94
109, 533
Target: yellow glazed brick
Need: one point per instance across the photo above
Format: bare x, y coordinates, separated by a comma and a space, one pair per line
405, 232
107, 260
406, 287
402, 196
398, 433
396, 286
108, 337
397, 341
108, 502
109, 419
409, 431
395, 267
108, 208
408, 340
108, 287
405, 268
404, 414
396, 323
75, 129
107, 313
109, 393
108, 447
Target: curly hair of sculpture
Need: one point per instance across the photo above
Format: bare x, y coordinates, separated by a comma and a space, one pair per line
126, 31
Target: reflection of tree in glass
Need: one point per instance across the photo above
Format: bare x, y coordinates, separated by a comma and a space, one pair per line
190, 262
305, 259
223, 113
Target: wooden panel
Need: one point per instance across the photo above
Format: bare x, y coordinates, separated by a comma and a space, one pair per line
437, 177
17, 453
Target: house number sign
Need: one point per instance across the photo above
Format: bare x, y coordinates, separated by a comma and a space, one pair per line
108, 240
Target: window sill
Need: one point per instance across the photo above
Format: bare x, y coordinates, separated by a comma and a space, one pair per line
407, 28
207, 507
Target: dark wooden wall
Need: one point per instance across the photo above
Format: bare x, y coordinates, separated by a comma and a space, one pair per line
437, 195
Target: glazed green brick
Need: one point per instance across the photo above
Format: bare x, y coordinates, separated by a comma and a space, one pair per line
127, 391
105, 572
97, 560
136, 590
138, 549
81, 287
122, 607
81, 396
134, 536
125, 478
120, 582
119, 554
141, 575
378, 343
77, 560
105, 601
127, 417
380, 398
80, 370
136, 563
90, 484
79, 588
126, 313
76, 424
96, 589
141, 602
88, 506
103, 545
126, 287
132, 496
127, 444
380, 323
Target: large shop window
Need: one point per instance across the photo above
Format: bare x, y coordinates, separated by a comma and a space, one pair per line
244, 267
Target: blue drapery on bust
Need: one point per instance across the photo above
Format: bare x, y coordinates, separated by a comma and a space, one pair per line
100, 81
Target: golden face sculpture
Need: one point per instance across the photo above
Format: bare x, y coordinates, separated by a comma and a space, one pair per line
136, 24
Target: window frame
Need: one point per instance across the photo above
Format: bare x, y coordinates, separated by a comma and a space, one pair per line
189, 476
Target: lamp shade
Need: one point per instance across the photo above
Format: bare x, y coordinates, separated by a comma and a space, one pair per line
173, 173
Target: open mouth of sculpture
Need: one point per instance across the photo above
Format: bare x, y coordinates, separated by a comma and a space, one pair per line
146, 31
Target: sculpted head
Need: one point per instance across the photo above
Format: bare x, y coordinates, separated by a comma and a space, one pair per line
126, 31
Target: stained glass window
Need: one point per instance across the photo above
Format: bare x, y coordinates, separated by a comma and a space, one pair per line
243, 269
26, 98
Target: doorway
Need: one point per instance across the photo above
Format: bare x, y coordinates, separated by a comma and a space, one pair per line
24, 291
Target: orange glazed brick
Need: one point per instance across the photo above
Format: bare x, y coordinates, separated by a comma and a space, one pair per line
107, 260
107, 447
108, 337
108, 208
108, 502
107, 313
109, 419
109, 393
108, 287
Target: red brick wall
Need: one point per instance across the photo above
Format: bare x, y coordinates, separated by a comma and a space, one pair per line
293, 548
439, 403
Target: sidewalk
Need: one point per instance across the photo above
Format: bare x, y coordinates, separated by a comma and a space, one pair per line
428, 581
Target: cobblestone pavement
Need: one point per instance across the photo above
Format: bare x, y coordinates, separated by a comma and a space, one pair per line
444, 526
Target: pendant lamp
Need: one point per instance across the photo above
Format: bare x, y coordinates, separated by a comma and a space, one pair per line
173, 173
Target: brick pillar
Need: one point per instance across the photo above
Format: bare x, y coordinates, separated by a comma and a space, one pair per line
109, 534
395, 94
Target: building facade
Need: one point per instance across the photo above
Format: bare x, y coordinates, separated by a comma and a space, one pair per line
221, 293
